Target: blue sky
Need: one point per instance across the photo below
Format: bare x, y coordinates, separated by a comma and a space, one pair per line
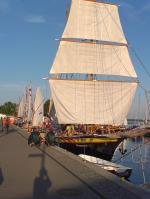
28, 29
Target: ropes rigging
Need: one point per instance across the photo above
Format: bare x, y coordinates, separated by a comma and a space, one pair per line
131, 47
133, 150
138, 59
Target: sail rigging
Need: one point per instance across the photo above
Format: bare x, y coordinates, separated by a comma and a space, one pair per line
94, 44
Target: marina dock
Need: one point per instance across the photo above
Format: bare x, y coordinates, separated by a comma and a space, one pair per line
87, 105
51, 172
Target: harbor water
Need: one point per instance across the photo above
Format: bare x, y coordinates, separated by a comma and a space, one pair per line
136, 155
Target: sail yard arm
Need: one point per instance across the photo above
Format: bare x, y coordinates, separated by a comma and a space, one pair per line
103, 2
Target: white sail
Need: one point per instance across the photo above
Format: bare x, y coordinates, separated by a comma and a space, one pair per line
21, 108
94, 20
90, 58
92, 102
38, 109
93, 42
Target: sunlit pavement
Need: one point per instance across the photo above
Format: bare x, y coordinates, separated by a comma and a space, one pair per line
46, 172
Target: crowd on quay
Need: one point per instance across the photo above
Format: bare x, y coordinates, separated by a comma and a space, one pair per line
43, 134
48, 130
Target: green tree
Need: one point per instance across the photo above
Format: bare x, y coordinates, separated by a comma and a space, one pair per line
46, 107
9, 108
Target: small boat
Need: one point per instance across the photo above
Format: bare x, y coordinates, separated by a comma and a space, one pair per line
117, 169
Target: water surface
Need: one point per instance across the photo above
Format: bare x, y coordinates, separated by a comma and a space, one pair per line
137, 157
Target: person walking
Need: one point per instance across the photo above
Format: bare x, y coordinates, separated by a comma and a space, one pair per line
7, 123
1, 122
4, 123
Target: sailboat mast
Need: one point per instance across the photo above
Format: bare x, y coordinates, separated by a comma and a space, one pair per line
147, 108
26, 104
19, 101
67, 10
29, 116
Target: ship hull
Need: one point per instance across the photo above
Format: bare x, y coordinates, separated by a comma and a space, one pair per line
101, 147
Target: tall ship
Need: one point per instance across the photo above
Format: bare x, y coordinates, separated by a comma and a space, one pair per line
93, 80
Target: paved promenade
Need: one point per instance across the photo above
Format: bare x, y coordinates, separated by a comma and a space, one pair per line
52, 173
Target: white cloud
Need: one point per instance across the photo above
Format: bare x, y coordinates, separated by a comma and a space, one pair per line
35, 19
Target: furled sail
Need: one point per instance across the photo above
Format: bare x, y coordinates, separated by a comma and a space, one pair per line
93, 58
38, 109
21, 108
89, 19
92, 102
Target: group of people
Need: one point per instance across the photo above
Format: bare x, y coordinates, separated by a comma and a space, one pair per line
36, 139
71, 129
4, 122
43, 135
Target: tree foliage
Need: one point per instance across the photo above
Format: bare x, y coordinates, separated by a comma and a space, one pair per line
9, 108
46, 107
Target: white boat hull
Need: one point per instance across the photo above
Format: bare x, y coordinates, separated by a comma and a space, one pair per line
119, 170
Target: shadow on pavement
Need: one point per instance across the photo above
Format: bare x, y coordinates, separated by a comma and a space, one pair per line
4, 132
41, 186
1, 177
42, 183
